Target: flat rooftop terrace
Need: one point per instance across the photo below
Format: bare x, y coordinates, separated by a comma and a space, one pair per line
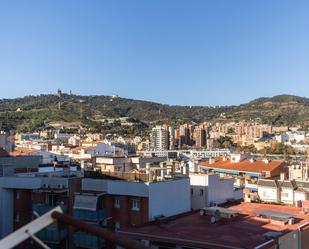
246, 231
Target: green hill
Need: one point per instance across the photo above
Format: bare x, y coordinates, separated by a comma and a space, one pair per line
37, 112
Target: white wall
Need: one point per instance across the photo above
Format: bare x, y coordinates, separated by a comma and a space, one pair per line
268, 194
300, 196
127, 188
169, 198
215, 190
219, 190
115, 187
198, 182
287, 195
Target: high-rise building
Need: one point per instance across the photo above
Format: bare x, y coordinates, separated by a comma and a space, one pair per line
171, 137
199, 136
184, 133
159, 138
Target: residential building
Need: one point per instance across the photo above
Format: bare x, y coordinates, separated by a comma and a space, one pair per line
159, 138
132, 202
245, 172
283, 191
23, 194
209, 190
200, 136
6, 141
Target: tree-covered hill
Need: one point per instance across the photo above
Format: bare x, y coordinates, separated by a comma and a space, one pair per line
37, 112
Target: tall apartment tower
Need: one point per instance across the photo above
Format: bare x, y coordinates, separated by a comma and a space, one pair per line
199, 136
159, 138
171, 137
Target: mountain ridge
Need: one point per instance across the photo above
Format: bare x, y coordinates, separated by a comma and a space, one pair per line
36, 112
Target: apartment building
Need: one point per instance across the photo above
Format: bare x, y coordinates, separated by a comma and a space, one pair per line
210, 190
243, 170
283, 191
127, 163
6, 141
159, 138
19, 164
25, 194
199, 136
89, 207
135, 202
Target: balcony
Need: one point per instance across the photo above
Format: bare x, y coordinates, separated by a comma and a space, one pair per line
52, 234
85, 240
42, 208
87, 215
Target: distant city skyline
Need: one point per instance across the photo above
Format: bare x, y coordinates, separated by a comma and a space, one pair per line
171, 52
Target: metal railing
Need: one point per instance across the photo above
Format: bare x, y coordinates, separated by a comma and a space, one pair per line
32, 228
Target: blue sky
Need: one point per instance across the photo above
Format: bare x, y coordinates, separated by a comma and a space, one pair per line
177, 52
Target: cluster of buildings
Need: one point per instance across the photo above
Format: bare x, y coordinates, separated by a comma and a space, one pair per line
166, 137
161, 196
202, 136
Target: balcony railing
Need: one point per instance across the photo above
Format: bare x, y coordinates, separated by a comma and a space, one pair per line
42, 208
89, 241
52, 234
87, 215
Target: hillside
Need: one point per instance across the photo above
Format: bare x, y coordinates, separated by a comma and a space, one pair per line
37, 112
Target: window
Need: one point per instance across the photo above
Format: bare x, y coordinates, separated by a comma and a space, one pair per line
17, 218
285, 195
117, 225
201, 192
17, 195
191, 191
135, 205
117, 203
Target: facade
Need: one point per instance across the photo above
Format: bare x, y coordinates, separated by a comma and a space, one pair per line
6, 141
159, 138
268, 191
246, 172
20, 164
200, 136
283, 191
132, 203
209, 190
21, 195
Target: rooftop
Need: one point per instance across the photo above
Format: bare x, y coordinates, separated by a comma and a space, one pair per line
246, 231
23, 152
258, 166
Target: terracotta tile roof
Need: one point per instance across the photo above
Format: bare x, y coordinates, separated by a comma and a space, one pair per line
22, 152
84, 148
258, 166
90, 143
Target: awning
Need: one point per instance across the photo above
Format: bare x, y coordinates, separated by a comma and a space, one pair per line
86, 202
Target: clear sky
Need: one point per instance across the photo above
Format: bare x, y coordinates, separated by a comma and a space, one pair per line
177, 52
